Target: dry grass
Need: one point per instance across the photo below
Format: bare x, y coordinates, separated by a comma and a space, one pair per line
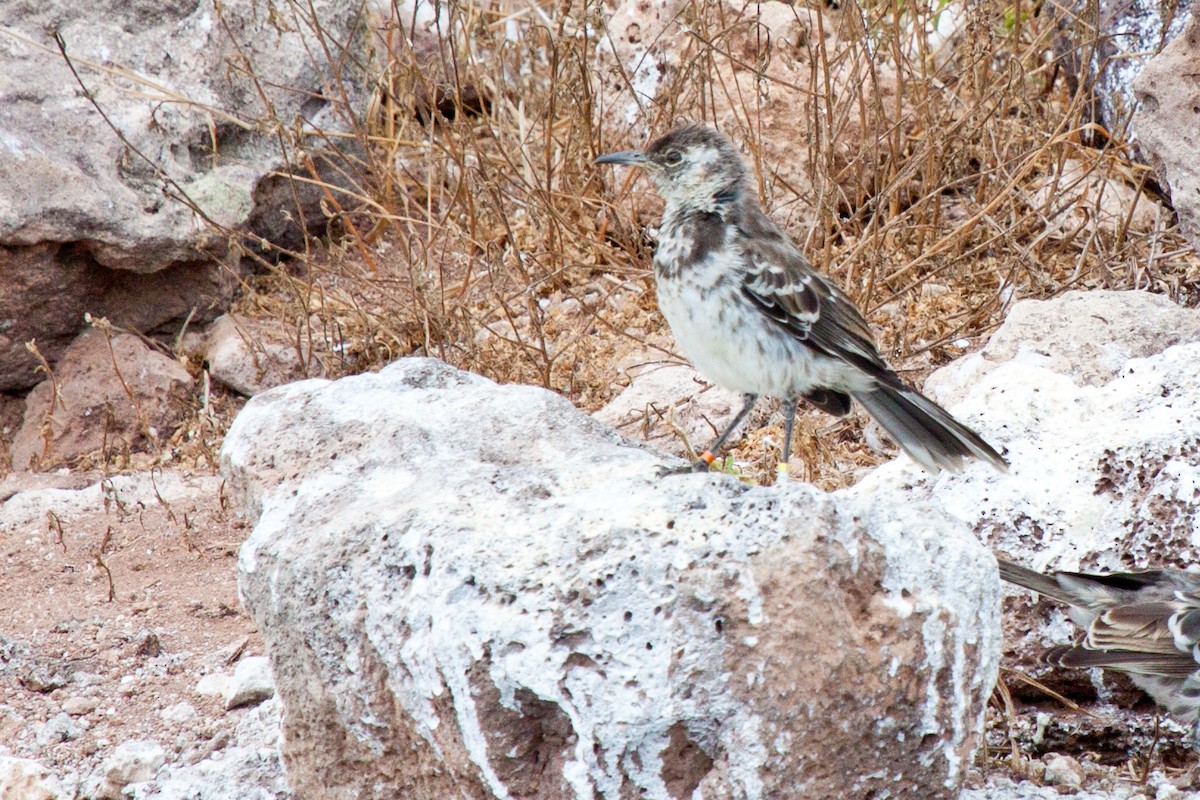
939, 186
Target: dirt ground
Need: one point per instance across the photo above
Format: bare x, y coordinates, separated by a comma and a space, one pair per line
116, 601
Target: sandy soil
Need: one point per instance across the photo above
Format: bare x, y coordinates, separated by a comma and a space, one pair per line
117, 599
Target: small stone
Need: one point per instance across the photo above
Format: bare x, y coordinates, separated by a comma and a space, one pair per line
252, 355
131, 762
59, 728
180, 712
85, 679
26, 779
1064, 771
215, 685
252, 683
150, 646
78, 706
230, 653
1167, 791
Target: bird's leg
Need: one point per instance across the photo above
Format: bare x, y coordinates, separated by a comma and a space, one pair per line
709, 455
789, 411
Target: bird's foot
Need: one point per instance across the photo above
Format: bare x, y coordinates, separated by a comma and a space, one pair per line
686, 469
702, 464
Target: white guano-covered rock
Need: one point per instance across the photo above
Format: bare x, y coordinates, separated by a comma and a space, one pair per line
247, 767
1095, 397
132, 762
477, 591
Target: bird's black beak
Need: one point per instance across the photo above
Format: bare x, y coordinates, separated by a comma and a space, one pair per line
630, 158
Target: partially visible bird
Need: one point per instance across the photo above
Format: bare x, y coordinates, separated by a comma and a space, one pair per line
753, 316
1146, 624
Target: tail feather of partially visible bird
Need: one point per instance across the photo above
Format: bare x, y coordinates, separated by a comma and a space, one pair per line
925, 430
1034, 581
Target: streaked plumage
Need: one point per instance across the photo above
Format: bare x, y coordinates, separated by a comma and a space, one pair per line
1146, 624
752, 315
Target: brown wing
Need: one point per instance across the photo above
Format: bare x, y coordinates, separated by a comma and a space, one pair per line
784, 286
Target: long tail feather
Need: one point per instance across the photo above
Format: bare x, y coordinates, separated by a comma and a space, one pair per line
1033, 581
925, 430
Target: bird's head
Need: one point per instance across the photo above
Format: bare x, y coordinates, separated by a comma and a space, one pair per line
692, 167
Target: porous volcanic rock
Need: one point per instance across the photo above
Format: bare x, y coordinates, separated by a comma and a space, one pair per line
1168, 92
477, 591
1095, 399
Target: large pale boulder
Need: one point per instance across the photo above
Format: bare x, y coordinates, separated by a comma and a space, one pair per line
1168, 93
476, 591
1095, 397
118, 224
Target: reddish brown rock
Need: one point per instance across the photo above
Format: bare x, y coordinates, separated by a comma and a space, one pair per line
49, 288
109, 392
251, 355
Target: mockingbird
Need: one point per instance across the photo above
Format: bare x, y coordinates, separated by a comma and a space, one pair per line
1146, 624
752, 314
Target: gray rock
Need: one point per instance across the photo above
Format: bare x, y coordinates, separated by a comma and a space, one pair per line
79, 706
252, 683
1169, 94
1001, 788
179, 713
89, 225
1100, 420
471, 589
246, 767
59, 728
130, 762
1064, 771
1119, 37
665, 398
216, 684
252, 355
25, 779
1089, 337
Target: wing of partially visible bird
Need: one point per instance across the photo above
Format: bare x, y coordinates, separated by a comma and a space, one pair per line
1138, 627
1146, 624
1160, 665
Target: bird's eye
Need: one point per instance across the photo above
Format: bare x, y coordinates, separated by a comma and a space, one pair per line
673, 158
